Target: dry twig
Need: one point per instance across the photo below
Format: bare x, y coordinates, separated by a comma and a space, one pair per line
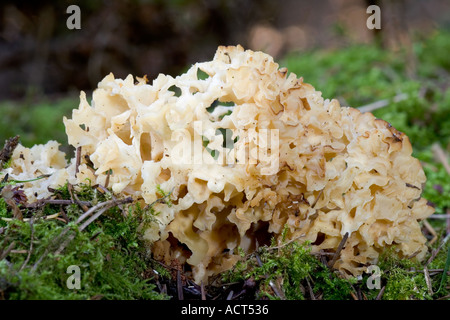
382, 103
431, 230
75, 199
202, 290
42, 202
436, 251
78, 160
5, 253
338, 251
179, 286
274, 285
380, 294
428, 281
311, 293
31, 245
440, 155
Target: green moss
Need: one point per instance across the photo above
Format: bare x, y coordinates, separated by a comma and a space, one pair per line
404, 279
294, 267
110, 253
7, 164
35, 123
4, 212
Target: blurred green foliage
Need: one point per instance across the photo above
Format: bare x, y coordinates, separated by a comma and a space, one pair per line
35, 123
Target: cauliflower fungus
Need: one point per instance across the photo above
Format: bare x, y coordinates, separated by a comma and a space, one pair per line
248, 151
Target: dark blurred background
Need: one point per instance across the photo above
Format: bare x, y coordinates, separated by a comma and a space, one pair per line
40, 55
44, 65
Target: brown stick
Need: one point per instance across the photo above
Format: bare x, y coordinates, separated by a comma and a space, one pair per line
317, 199
47, 250
274, 285
179, 286
55, 201
428, 280
311, 293
431, 230
448, 222
382, 103
202, 290
77, 160
105, 190
105, 207
75, 199
380, 294
440, 216
436, 251
440, 155
338, 251
109, 204
5, 253
31, 245
108, 176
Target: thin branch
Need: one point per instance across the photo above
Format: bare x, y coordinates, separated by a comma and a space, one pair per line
179, 286
95, 216
428, 280
439, 216
413, 255
7, 251
311, 293
353, 295
49, 217
78, 160
317, 199
64, 244
277, 289
41, 202
47, 250
432, 272
105, 190
106, 206
31, 245
286, 243
380, 294
448, 221
75, 199
431, 230
159, 200
109, 203
273, 285
108, 176
382, 103
338, 251
436, 251
19, 251
202, 290
440, 155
